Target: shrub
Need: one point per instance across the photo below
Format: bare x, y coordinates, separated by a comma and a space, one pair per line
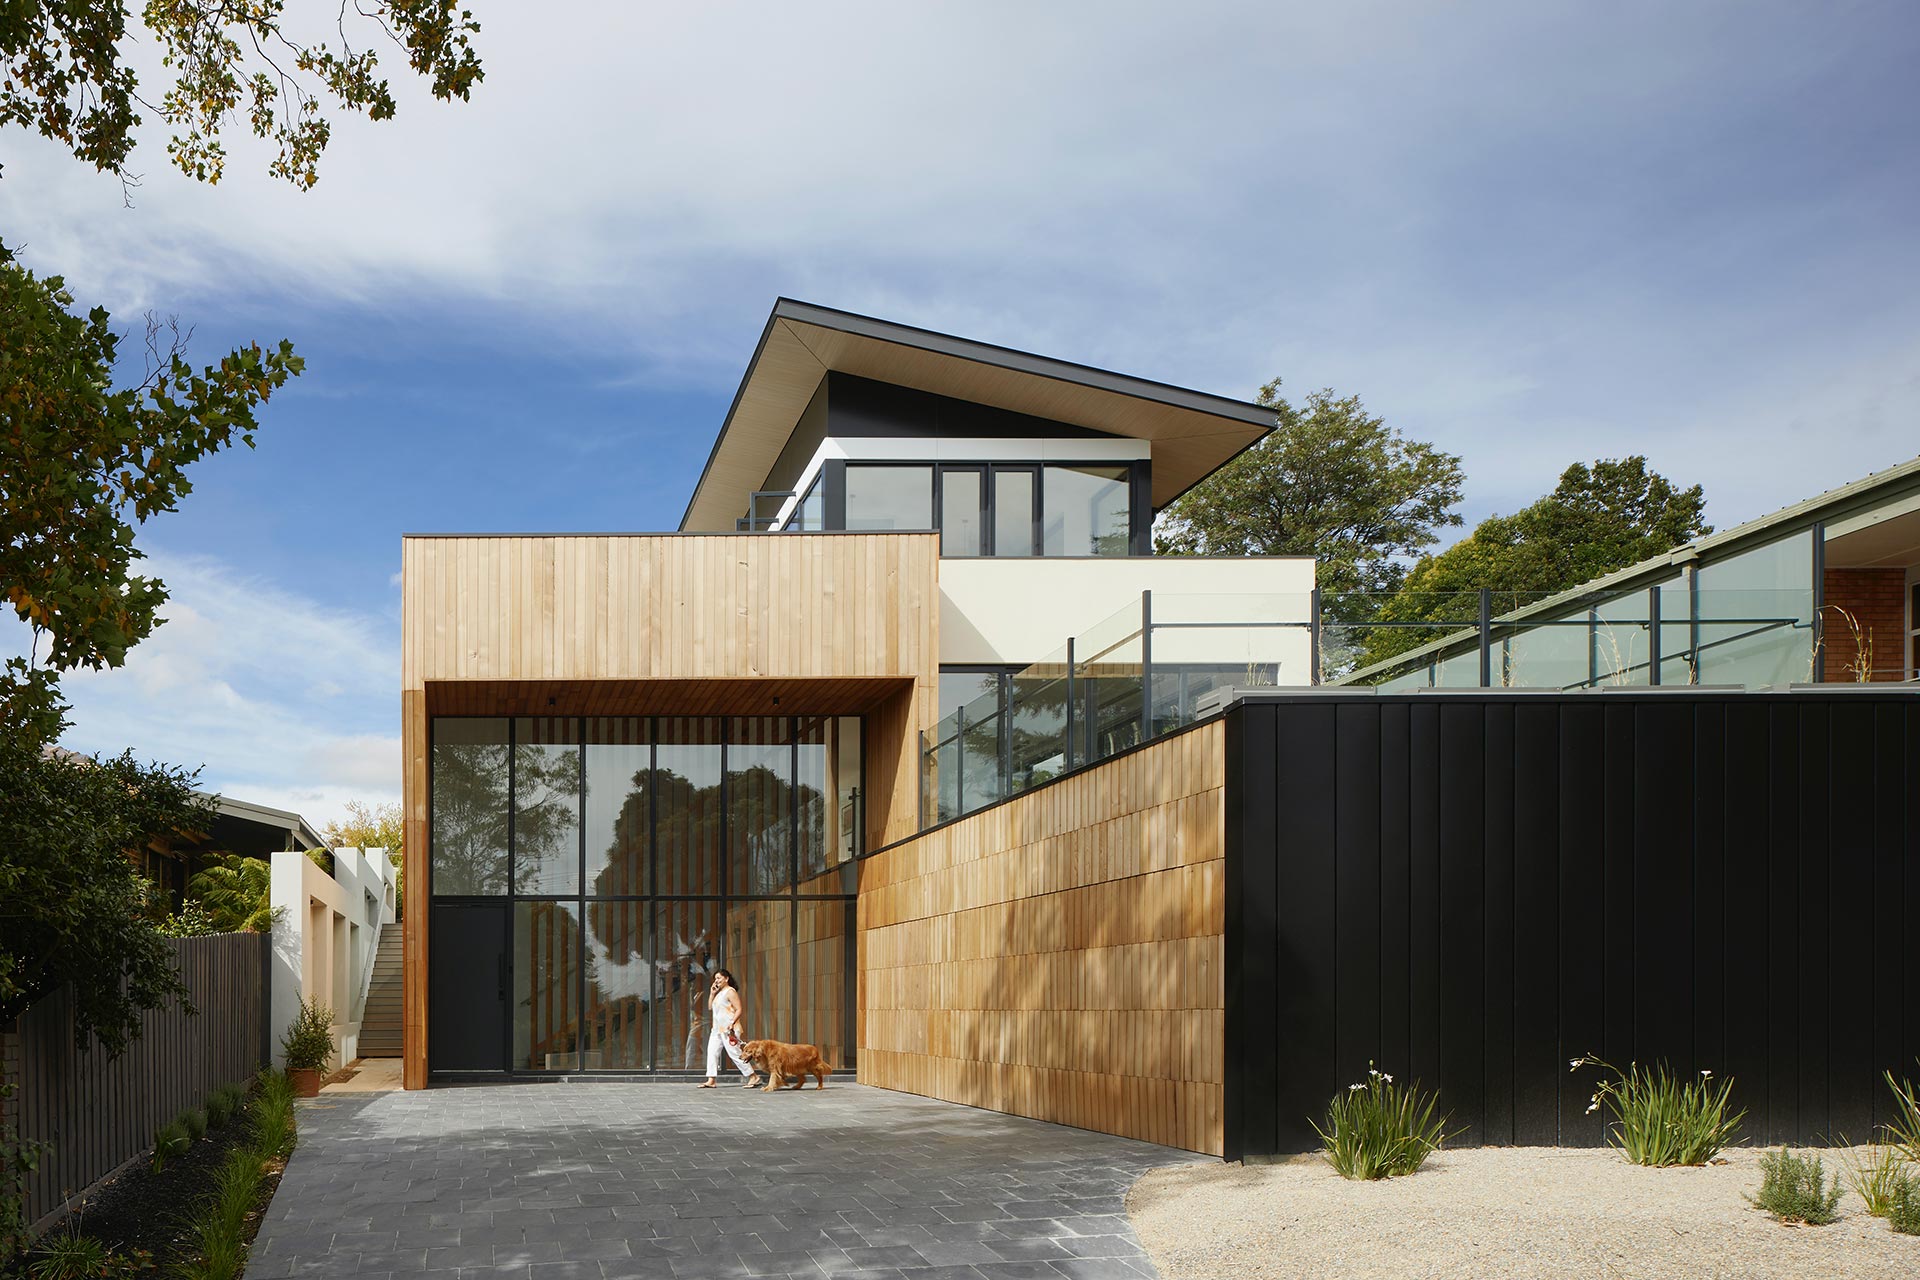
219, 1108
1658, 1121
194, 1121
1795, 1189
1875, 1176
272, 1115
69, 1255
1378, 1129
1903, 1207
169, 1140
1903, 1130
309, 1040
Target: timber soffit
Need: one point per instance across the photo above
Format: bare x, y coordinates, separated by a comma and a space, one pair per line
1194, 432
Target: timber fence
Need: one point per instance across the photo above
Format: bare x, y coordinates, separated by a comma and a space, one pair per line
96, 1113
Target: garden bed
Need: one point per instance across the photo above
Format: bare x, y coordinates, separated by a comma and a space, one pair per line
1499, 1212
144, 1210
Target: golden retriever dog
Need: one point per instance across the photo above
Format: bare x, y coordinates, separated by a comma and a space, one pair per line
783, 1062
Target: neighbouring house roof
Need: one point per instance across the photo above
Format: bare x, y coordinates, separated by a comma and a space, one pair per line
1193, 433
1841, 510
240, 826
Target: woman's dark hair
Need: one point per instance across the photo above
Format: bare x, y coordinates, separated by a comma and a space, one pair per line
728, 975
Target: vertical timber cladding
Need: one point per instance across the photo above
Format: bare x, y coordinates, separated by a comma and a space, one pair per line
1059, 955
1474, 889
635, 608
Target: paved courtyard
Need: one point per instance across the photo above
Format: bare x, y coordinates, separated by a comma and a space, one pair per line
556, 1181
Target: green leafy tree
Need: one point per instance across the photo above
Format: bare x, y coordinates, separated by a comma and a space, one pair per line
375, 826
235, 893
1333, 482
1598, 519
67, 74
81, 465
72, 909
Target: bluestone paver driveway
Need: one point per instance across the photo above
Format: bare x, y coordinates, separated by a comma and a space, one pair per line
555, 1181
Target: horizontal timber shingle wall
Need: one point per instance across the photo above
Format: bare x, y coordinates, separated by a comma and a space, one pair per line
1473, 890
1059, 955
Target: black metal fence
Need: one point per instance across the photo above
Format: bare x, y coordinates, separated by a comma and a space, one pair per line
1475, 888
97, 1113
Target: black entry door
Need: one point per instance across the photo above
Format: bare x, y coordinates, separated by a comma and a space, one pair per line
467, 987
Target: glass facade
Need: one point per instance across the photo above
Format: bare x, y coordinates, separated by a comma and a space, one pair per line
633, 856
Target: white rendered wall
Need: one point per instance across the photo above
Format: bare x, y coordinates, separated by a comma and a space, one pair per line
326, 930
1014, 612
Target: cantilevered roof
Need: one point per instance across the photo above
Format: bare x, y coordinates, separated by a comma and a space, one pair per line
1192, 432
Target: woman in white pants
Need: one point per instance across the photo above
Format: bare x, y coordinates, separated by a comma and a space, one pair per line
723, 1001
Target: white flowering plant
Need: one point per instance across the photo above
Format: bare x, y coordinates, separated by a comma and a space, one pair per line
1378, 1129
1659, 1121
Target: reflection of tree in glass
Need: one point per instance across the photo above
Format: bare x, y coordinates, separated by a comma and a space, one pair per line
469, 818
546, 817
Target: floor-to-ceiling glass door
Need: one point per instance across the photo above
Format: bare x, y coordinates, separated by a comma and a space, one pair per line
626, 858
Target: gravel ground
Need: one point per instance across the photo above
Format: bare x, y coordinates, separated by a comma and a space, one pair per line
1498, 1212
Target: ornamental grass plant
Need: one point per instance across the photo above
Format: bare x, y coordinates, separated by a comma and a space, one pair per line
1379, 1129
1660, 1122
1877, 1176
1795, 1190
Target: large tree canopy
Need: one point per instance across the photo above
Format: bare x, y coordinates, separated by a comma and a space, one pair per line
1598, 519
82, 464
67, 75
1333, 482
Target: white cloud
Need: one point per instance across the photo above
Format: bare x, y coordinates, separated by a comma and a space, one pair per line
279, 700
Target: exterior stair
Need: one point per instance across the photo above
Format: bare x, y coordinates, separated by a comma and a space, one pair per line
380, 1022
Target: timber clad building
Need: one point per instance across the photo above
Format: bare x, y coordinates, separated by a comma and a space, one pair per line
907, 728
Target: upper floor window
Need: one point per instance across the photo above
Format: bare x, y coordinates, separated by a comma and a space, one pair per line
890, 497
998, 509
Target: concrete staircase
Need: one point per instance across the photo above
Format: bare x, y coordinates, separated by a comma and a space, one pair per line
380, 1023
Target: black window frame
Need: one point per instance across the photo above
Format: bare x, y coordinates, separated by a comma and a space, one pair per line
1139, 499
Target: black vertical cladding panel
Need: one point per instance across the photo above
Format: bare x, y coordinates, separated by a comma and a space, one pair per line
1851, 919
1663, 972
1783, 923
1395, 897
1356, 837
1423, 877
1910, 919
1746, 818
1708, 784
1537, 1062
1892, 774
1617, 888
1463, 941
1815, 973
1251, 1085
1499, 822
1308, 966
1582, 987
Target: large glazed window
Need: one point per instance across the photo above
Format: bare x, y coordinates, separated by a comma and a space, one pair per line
640, 853
1087, 511
469, 846
890, 497
962, 502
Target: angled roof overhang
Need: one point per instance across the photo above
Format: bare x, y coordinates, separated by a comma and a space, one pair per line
1192, 433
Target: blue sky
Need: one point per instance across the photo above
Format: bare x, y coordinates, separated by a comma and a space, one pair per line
1530, 233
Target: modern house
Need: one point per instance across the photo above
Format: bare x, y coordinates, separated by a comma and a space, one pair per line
908, 728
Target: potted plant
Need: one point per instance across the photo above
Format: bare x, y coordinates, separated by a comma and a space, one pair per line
308, 1044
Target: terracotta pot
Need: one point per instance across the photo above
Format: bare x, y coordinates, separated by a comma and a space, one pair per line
306, 1082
